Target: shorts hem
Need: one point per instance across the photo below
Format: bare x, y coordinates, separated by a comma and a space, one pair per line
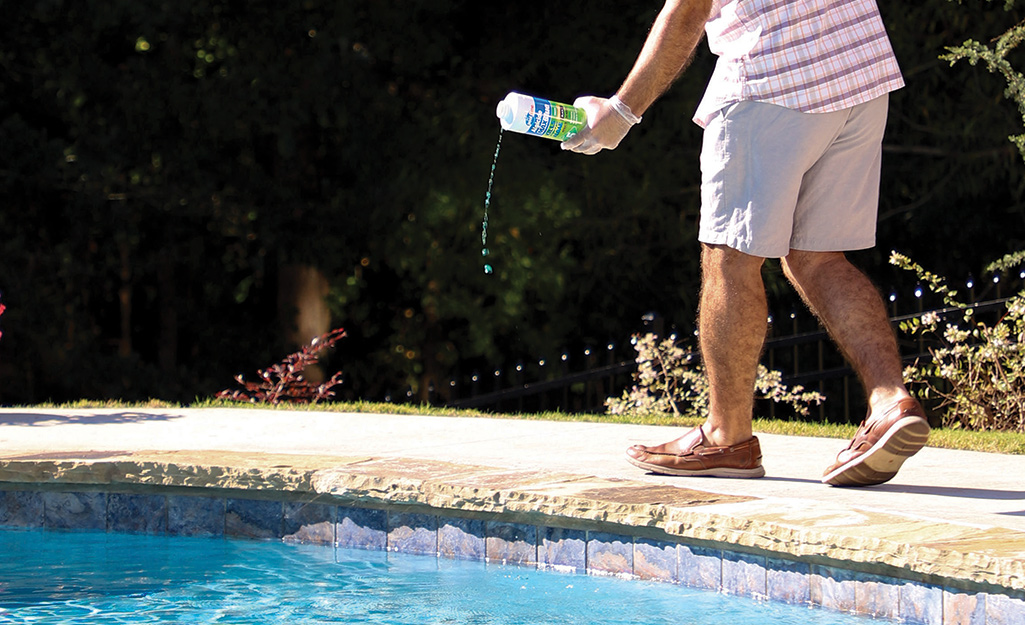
754, 250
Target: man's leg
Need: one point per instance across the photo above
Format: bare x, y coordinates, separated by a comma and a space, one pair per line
732, 321
849, 306
731, 327
854, 314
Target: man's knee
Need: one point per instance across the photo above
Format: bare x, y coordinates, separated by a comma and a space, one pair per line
799, 266
721, 260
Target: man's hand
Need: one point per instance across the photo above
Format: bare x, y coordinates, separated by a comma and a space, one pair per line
606, 127
667, 51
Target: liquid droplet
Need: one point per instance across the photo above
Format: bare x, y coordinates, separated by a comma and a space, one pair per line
485, 252
488, 270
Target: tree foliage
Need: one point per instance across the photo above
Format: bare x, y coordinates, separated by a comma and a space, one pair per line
161, 162
997, 62
950, 179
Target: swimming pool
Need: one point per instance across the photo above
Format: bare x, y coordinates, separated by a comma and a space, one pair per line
100, 578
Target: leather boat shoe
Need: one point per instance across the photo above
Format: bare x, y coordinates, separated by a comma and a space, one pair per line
692, 455
880, 446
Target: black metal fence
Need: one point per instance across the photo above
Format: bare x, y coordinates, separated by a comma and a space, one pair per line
581, 380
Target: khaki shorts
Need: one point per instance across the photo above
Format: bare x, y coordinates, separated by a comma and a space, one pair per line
774, 179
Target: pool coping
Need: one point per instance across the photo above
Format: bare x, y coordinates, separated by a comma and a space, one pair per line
833, 556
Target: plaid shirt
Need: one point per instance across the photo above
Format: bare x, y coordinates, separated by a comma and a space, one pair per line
814, 56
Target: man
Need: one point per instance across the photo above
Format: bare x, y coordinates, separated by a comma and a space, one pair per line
793, 117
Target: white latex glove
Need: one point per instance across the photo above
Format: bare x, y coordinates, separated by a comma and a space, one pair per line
606, 126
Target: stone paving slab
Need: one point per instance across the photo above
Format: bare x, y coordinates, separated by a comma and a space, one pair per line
950, 516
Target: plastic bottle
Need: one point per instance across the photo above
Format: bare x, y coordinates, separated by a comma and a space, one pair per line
540, 117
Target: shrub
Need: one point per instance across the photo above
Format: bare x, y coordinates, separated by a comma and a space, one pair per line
670, 376
977, 373
284, 382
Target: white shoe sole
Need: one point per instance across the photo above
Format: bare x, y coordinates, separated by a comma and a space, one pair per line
880, 463
758, 471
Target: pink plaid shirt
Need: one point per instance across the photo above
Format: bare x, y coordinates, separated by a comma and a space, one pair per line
814, 56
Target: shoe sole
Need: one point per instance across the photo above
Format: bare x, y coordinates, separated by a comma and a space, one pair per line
714, 472
880, 463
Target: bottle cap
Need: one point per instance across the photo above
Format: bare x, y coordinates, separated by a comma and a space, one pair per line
505, 113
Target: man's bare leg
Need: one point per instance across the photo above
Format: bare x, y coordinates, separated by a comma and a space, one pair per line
731, 327
854, 314
849, 306
732, 321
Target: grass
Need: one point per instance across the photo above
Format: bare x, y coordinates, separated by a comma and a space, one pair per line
993, 442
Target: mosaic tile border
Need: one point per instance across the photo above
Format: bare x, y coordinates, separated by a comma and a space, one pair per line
504, 542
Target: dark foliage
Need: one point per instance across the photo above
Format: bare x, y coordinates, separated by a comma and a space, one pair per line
161, 162
285, 383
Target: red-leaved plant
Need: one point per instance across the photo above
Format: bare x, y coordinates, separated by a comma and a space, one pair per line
284, 382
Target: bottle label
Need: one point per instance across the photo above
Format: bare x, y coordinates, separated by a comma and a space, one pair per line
553, 120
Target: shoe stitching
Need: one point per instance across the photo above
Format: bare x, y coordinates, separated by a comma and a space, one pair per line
866, 428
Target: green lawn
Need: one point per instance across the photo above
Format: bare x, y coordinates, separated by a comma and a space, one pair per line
995, 442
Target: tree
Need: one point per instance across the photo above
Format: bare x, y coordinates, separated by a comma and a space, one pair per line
165, 164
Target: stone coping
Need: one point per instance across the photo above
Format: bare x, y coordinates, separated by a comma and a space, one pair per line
969, 558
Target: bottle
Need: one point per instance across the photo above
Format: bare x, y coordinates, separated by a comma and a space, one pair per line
539, 117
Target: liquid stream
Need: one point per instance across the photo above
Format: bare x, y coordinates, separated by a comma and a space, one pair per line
485, 252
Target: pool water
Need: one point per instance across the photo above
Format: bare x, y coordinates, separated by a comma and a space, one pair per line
99, 578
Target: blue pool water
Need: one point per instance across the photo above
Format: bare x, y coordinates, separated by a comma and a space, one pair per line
99, 578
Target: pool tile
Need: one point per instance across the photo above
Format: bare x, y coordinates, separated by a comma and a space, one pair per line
195, 516
744, 574
75, 511
563, 548
308, 523
876, 596
252, 518
21, 508
462, 539
361, 528
963, 608
921, 603
413, 533
656, 560
1004, 610
700, 567
787, 581
610, 553
145, 514
511, 543
834, 589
